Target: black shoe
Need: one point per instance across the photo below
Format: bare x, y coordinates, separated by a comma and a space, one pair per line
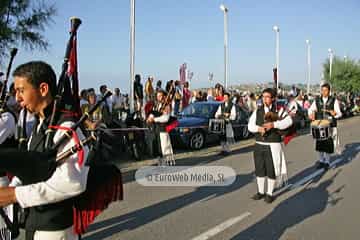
258, 196
326, 166
319, 165
224, 153
269, 199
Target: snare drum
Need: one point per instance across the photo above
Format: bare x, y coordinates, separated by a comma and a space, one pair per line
217, 126
320, 129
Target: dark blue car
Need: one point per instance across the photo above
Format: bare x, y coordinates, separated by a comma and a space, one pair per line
193, 126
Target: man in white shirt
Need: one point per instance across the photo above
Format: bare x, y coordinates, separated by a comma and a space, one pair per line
326, 107
108, 102
118, 99
162, 117
269, 156
227, 112
48, 202
292, 107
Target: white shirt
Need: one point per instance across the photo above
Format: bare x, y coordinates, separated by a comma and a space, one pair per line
163, 118
280, 124
108, 101
118, 101
82, 102
30, 121
7, 126
68, 180
232, 112
313, 107
292, 107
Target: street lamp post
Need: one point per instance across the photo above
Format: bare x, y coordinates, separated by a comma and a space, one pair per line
226, 68
277, 54
330, 62
132, 53
309, 66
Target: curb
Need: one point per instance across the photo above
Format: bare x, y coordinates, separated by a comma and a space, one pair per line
130, 166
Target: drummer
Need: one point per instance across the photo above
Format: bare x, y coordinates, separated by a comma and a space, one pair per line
226, 111
326, 107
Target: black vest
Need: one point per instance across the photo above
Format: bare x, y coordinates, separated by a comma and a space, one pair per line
320, 106
272, 135
226, 109
49, 217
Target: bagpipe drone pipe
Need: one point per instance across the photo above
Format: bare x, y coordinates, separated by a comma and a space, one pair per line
104, 183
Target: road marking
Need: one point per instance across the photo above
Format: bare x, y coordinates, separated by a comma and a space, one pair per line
221, 227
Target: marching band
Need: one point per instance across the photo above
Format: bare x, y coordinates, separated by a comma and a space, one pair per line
47, 198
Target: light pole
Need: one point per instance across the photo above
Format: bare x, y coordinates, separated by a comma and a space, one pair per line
309, 66
330, 62
226, 68
132, 53
277, 54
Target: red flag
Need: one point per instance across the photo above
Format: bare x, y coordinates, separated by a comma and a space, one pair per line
182, 72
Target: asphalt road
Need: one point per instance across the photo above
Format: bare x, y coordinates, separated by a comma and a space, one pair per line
315, 205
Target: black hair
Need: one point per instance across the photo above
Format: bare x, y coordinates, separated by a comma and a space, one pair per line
37, 72
83, 93
271, 91
326, 85
162, 91
103, 87
137, 78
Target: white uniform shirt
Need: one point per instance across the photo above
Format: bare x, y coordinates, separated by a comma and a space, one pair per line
30, 121
292, 107
280, 124
7, 126
67, 181
232, 112
118, 101
313, 108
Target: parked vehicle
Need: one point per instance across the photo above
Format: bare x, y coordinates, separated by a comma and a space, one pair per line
193, 129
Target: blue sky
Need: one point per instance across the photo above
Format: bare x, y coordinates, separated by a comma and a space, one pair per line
169, 32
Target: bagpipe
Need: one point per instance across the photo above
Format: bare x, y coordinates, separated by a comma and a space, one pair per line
4, 96
150, 109
287, 134
104, 183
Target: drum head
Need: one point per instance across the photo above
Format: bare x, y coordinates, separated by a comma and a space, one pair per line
315, 122
324, 123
